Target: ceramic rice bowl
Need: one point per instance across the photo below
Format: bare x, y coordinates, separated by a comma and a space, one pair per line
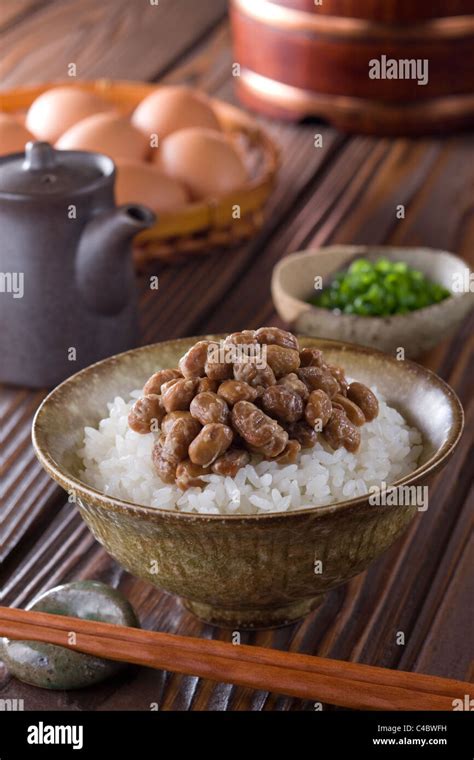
243, 571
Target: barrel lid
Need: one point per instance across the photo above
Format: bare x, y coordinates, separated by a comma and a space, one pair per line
42, 170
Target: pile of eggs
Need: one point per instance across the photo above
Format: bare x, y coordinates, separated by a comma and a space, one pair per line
171, 151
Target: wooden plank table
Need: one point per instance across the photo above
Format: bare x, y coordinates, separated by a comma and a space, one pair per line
346, 192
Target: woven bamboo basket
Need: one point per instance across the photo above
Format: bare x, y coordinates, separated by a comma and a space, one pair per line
199, 227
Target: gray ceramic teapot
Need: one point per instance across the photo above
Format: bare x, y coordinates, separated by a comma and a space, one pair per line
67, 285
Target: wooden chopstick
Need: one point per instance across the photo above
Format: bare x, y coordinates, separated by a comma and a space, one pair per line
261, 676
308, 663
345, 684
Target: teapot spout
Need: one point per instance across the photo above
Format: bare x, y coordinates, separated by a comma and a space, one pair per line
104, 267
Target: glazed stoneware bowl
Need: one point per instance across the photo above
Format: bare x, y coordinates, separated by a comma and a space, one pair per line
243, 571
415, 332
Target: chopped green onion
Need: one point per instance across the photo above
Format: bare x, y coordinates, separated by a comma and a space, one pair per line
379, 288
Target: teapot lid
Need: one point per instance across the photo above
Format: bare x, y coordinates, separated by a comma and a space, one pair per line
42, 170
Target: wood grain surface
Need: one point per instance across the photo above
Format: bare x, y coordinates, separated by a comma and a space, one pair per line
347, 192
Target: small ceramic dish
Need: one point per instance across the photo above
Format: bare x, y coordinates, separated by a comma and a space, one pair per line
238, 570
415, 332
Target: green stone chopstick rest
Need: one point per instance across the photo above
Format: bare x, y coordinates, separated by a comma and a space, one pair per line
53, 667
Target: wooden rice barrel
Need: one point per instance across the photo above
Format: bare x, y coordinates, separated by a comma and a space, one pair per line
390, 11
299, 59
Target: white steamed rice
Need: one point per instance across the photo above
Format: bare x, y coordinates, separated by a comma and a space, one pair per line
117, 461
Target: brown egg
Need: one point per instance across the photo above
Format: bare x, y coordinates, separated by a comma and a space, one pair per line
53, 112
13, 135
105, 133
203, 160
142, 183
168, 109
